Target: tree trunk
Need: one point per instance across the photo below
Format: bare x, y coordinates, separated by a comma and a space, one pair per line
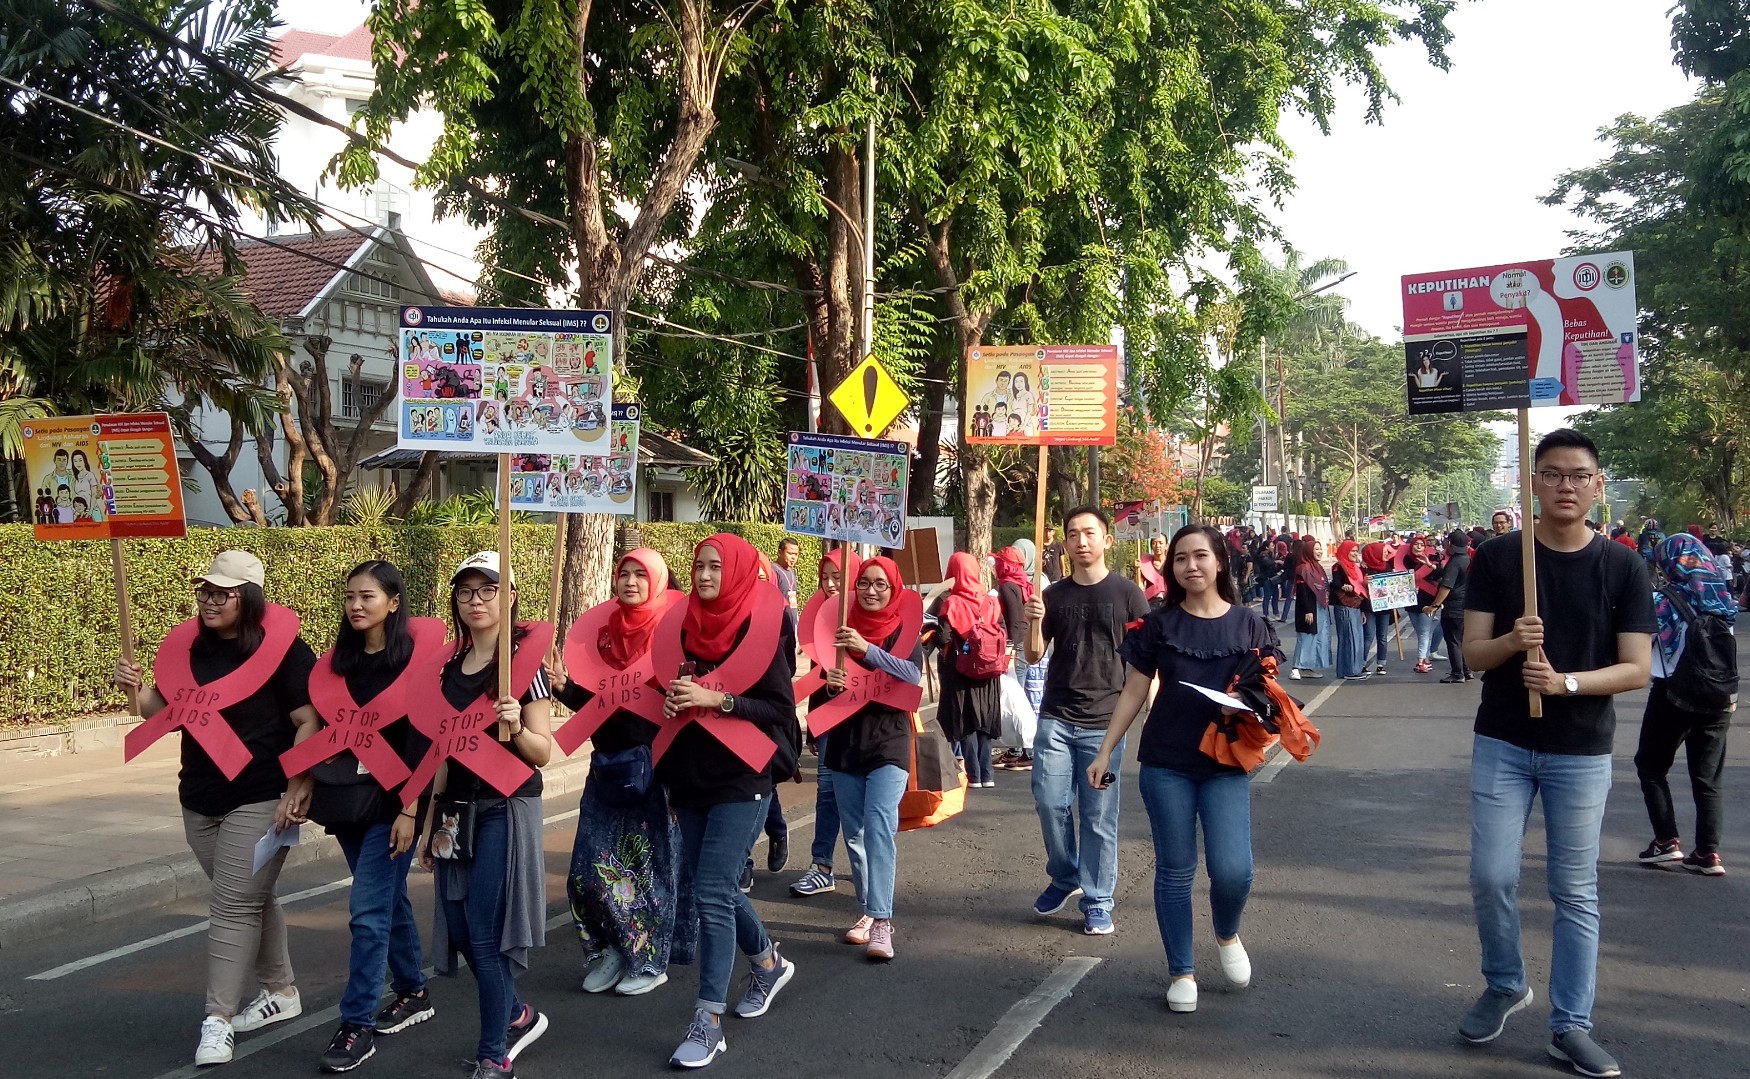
1065, 477
219, 468
930, 420
975, 474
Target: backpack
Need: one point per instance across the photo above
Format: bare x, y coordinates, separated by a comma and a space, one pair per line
1706, 678
983, 654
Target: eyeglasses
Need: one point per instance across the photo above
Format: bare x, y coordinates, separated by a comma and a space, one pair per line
214, 597
1551, 478
486, 593
873, 586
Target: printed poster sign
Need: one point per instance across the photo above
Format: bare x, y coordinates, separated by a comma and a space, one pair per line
1042, 395
581, 483
840, 488
104, 477
1133, 520
1530, 334
504, 380
1386, 591
1264, 499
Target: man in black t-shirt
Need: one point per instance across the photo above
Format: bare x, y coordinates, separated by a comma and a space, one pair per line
1449, 602
1591, 639
1051, 559
1084, 618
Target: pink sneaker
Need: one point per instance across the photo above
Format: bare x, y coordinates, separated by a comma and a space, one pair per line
880, 940
859, 934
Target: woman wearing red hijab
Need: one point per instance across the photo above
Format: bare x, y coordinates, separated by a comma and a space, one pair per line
870, 753
1349, 605
819, 877
718, 801
623, 889
1014, 589
971, 709
1376, 558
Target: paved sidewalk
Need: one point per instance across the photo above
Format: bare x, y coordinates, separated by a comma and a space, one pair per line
86, 837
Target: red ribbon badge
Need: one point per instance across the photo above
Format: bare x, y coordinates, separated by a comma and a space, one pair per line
195, 707
466, 735
632, 688
355, 726
743, 667
1154, 585
862, 683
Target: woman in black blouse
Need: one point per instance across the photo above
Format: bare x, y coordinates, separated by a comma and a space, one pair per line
1199, 636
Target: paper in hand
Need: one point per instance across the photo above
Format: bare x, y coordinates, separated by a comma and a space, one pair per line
269, 845
1219, 697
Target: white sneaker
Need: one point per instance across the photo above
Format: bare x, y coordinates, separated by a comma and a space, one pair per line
636, 985
268, 1008
1182, 995
1236, 965
216, 1042
604, 973
1294, 673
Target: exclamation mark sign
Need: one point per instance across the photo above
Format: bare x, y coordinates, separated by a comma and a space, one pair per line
871, 382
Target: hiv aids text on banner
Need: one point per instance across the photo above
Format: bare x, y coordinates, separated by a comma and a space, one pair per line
840, 488
1528, 334
1042, 395
505, 380
103, 477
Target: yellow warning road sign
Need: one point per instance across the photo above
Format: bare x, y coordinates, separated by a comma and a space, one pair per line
869, 399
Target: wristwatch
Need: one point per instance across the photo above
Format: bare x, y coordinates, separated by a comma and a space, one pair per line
1571, 684
728, 704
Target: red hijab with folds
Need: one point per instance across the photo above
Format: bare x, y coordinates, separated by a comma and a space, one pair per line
877, 626
1012, 567
630, 628
711, 626
1350, 569
968, 602
832, 559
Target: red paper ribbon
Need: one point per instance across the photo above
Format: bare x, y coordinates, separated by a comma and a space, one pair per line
195, 707
353, 726
862, 683
614, 688
465, 735
1154, 584
743, 667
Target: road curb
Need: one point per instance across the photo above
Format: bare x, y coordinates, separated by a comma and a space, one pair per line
132, 889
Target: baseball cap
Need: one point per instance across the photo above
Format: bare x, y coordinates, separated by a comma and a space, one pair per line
1458, 537
484, 563
230, 569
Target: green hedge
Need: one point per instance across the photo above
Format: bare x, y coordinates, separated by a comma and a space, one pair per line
58, 599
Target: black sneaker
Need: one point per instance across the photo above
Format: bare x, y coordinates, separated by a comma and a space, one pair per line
778, 854
492, 1069
1660, 851
352, 1046
404, 1011
746, 881
1488, 1016
525, 1030
1577, 1048
1708, 865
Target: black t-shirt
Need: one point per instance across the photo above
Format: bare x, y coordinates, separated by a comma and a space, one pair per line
1084, 625
1014, 607
263, 720
620, 731
1176, 646
1051, 561
461, 689
1455, 576
371, 676
1585, 598
875, 735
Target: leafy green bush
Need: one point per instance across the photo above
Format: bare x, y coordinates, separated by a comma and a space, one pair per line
58, 599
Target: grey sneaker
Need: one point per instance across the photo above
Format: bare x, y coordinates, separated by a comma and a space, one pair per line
703, 1042
1488, 1016
1577, 1048
763, 986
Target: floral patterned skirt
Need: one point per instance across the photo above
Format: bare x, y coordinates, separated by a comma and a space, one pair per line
622, 883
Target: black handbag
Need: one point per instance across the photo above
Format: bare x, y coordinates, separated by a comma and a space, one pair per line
452, 834
344, 796
623, 778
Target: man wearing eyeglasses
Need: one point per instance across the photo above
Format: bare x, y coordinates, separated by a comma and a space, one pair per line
1592, 638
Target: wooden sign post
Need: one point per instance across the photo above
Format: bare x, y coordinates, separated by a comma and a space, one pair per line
124, 616
1528, 542
505, 607
1039, 519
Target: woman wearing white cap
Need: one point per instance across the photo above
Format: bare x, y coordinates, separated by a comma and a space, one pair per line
249, 974
492, 907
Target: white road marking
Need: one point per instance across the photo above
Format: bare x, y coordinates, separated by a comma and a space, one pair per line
1022, 1019
1281, 757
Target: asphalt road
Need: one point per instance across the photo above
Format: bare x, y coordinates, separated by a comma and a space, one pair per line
1359, 928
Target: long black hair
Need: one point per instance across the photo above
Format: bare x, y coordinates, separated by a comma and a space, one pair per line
1224, 578
251, 612
349, 643
465, 636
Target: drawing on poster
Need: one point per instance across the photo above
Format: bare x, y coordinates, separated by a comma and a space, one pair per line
103, 477
1387, 591
840, 488
582, 483
506, 379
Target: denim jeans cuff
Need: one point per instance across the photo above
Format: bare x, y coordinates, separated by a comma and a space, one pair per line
711, 1006
769, 951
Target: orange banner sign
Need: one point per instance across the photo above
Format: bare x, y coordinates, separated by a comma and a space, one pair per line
104, 477
1041, 395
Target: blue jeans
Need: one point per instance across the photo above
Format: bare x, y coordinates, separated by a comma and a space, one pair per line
1272, 599
715, 842
1176, 802
1504, 781
975, 751
1061, 755
1380, 632
1426, 630
826, 812
384, 934
1352, 642
870, 808
482, 912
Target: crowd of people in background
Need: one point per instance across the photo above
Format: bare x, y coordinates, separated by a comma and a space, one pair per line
674, 806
